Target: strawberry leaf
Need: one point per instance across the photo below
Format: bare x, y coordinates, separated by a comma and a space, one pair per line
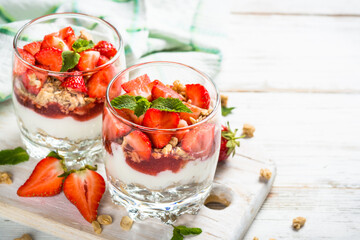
81, 45
13, 156
69, 60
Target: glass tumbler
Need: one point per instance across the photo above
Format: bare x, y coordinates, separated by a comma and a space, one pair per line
169, 183
52, 117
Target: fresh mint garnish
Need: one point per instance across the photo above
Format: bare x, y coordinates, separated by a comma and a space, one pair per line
55, 155
81, 45
226, 110
180, 231
69, 60
140, 104
13, 156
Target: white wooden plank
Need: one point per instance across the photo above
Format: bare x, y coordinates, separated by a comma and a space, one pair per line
321, 7
292, 53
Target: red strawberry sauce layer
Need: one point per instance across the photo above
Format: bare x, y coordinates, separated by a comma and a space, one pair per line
54, 110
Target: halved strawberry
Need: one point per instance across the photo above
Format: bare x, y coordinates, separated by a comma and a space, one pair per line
50, 57
155, 118
44, 180
196, 111
145, 91
33, 47
113, 128
33, 80
136, 83
138, 143
20, 67
54, 41
68, 35
84, 188
76, 83
106, 49
88, 60
198, 95
99, 81
200, 140
160, 90
102, 60
130, 115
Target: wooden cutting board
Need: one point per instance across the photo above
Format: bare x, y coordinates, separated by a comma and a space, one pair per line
237, 181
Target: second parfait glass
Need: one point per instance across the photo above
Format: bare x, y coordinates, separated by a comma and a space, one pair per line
174, 180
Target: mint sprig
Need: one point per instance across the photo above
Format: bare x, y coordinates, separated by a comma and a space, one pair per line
81, 45
69, 60
226, 110
140, 104
13, 156
180, 231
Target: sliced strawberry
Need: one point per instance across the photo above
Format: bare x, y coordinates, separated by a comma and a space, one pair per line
53, 41
68, 35
198, 95
196, 111
136, 83
44, 180
130, 115
85, 188
88, 60
137, 142
76, 83
113, 128
50, 57
20, 67
105, 48
99, 81
180, 133
160, 90
200, 140
33, 47
33, 80
102, 60
155, 118
145, 91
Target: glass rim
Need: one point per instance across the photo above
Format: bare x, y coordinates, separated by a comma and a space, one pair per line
177, 64
69, 14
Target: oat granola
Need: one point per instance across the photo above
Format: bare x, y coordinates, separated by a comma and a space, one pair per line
265, 173
126, 223
298, 222
96, 227
104, 219
5, 178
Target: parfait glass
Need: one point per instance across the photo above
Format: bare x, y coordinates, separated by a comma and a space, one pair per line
172, 182
56, 118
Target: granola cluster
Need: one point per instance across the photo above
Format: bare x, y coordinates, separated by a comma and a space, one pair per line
298, 222
5, 178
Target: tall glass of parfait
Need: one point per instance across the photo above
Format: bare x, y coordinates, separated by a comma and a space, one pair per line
61, 67
161, 134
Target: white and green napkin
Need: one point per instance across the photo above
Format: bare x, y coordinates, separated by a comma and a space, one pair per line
186, 31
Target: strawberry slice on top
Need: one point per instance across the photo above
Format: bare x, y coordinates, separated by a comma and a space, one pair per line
99, 81
102, 60
50, 57
84, 188
199, 141
160, 90
139, 144
136, 83
68, 35
44, 181
33, 47
196, 111
155, 118
53, 41
105, 48
113, 128
20, 67
76, 83
88, 60
198, 95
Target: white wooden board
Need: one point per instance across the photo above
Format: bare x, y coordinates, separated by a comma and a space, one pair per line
238, 180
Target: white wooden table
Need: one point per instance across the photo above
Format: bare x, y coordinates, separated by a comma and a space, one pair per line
294, 72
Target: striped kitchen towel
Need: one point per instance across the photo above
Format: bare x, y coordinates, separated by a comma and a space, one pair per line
187, 31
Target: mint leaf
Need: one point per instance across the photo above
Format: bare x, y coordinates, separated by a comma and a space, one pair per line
170, 105
13, 156
226, 110
142, 105
138, 104
187, 231
55, 155
177, 235
69, 60
82, 44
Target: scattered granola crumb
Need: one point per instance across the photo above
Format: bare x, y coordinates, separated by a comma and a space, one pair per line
97, 227
248, 130
265, 173
298, 222
5, 178
126, 223
104, 219
224, 100
255, 238
167, 149
174, 141
24, 237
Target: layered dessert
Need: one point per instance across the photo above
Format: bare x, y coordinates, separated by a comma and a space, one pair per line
59, 88
161, 141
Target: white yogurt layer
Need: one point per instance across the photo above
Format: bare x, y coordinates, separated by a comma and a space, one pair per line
66, 127
194, 171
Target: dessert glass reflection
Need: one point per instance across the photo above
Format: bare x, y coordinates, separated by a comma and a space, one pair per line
61, 68
161, 163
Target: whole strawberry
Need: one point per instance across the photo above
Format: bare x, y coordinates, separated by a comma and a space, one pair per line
228, 142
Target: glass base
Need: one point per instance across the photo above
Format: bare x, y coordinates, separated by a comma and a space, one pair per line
167, 212
75, 156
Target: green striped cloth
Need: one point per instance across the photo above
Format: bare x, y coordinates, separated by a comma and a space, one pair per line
187, 31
